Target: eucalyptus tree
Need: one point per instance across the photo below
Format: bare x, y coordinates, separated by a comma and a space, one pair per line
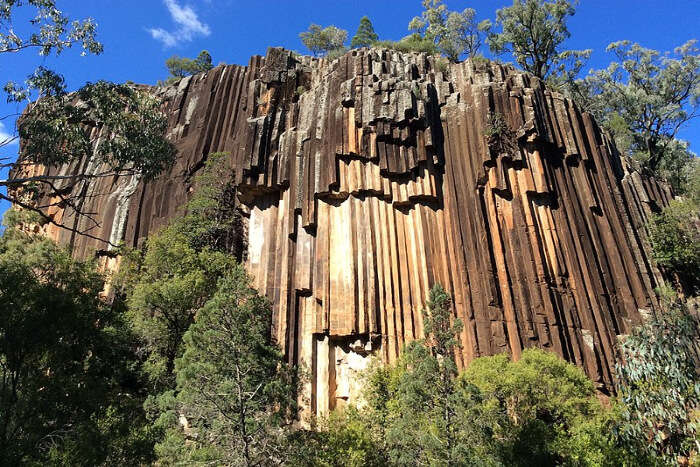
534, 31
321, 41
179, 67
58, 127
647, 94
453, 33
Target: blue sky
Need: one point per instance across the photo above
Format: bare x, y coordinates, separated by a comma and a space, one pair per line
140, 35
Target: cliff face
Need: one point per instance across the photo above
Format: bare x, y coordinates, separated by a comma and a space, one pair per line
368, 179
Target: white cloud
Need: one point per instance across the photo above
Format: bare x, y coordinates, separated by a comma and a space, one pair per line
6, 138
188, 25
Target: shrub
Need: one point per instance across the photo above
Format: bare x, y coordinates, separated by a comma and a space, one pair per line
674, 235
659, 389
336, 53
552, 415
346, 438
411, 43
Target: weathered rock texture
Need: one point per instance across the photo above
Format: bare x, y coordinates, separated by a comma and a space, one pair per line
368, 179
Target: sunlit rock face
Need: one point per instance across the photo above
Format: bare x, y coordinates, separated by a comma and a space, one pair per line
366, 180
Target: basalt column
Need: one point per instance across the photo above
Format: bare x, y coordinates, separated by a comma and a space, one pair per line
366, 180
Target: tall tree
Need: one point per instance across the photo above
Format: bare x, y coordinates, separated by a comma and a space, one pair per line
651, 95
67, 390
179, 67
453, 33
365, 35
321, 41
120, 127
426, 416
235, 393
534, 32
177, 274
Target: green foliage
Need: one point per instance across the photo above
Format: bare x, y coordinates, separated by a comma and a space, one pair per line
50, 32
552, 416
131, 122
496, 126
365, 35
453, 33
347, 440
421, 414
539, 410
167, 287
179, 67
677, 166
500, 137
412, 43
691, 185
674, 235
654, 94
336, 53
212, 219
172, 282
534, 31
69, 393
659, 387
235, 393
442, 65
321, 41
132, 137
179, 270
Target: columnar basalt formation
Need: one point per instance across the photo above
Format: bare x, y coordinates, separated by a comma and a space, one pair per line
367, 179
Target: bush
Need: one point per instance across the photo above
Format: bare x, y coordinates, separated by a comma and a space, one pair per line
346, 439
659, 389
336, 53
411, 43
675, 241
552, 415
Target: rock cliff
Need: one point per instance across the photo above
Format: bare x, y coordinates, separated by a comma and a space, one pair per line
367, 179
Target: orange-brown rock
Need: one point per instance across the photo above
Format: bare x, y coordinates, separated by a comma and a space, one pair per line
366, 180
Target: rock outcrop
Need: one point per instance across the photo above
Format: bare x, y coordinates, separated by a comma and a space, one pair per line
368, 179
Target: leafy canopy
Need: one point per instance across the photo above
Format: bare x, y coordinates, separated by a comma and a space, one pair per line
53, 32
365, 35
321, 41
534, 32
420, 413
179, 67
57, 127
177, 274
649, 95
235, 392
546, 409
674, 235
411, 43
659, 387
130, 122
540, 410
68, 392
453, 33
